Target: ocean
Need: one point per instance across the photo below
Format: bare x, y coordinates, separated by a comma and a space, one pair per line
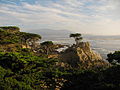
101, 44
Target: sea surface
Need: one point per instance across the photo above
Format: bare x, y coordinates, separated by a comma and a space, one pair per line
101, 44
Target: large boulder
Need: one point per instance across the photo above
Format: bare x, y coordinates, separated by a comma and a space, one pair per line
82, 55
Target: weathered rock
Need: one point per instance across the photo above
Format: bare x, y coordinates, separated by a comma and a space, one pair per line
86, 53
82, 55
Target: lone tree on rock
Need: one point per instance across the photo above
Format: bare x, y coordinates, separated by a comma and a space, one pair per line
77, 37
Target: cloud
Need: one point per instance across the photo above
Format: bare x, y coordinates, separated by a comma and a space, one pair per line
85, 16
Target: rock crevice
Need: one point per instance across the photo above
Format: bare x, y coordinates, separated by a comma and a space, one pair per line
82, 55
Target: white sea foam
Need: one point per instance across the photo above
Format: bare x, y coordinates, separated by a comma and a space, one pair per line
100, 44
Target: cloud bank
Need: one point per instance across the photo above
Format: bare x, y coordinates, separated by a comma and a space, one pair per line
85, 16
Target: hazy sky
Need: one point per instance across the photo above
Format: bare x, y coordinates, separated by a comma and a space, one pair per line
84, 16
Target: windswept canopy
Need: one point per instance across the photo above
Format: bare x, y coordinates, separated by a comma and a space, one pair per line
47, 43
77, 37
29, 39
13, 28
29, 35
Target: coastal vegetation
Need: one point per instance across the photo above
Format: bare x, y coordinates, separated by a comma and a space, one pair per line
114, 58
24, 64
47, 45
77, 37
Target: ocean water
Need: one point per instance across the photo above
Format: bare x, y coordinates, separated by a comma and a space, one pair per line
105, 44
101, 44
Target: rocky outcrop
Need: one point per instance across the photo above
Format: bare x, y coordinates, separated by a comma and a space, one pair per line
86, 53
82, 55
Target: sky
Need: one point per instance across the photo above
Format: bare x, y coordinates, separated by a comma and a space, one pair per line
99, 17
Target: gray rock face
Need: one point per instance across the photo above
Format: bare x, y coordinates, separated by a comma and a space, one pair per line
86, 53
82, 55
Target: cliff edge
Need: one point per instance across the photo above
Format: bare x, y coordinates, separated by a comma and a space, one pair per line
82, 55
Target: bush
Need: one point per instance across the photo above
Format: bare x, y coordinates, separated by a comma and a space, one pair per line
114, 57
10, 28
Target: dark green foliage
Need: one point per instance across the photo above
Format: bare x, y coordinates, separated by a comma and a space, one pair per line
114, 57
2, 72
13, 61
8, 38
24, 70
30, 39
29, 35
27, 70
77, 36
83, 80
107, 79
13, 84
47, 43
11, 38
10, 28
47, 46
112, 75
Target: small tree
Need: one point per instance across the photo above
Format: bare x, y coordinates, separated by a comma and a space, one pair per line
77, 37
114, 57
47, 46
29, 39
